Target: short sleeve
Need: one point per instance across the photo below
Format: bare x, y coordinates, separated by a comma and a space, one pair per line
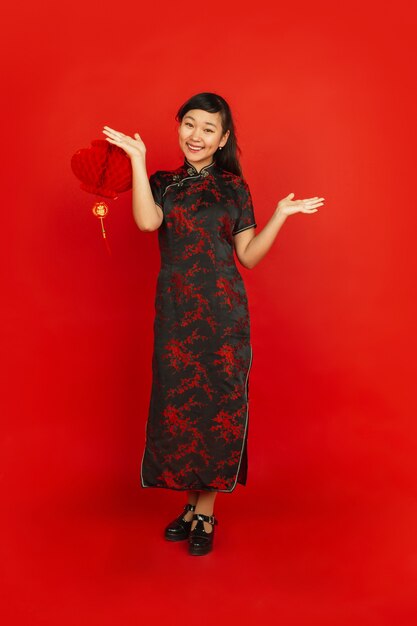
246, 218
156, 188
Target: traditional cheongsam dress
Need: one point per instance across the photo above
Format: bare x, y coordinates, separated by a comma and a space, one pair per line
197, 426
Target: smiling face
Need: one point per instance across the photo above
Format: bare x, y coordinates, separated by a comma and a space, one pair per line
200, 135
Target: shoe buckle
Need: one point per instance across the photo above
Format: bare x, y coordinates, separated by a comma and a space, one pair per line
205, 518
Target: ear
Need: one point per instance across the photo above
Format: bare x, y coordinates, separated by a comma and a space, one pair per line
224, 139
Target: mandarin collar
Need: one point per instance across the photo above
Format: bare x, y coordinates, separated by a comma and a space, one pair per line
192, 171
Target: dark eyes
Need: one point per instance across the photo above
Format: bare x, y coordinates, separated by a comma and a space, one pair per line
207, 130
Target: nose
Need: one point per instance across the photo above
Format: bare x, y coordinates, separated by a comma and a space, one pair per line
195, 135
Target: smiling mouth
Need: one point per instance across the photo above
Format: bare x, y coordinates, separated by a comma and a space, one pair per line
194, 148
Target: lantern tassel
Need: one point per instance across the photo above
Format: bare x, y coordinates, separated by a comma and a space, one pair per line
100, 210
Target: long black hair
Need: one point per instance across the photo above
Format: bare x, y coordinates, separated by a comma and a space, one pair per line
228, 157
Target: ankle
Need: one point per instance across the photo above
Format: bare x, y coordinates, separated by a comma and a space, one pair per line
188, 515
208, 526
204, 510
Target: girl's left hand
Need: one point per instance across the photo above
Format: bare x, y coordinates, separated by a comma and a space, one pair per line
288, 206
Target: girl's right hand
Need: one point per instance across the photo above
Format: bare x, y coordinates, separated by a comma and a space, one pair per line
134, 147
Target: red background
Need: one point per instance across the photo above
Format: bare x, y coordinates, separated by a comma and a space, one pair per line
324, 102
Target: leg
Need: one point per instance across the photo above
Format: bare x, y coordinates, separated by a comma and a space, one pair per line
191, 499
205, 505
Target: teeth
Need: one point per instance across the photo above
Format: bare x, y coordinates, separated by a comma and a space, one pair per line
193, 148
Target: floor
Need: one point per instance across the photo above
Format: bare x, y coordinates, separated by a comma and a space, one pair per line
282, 555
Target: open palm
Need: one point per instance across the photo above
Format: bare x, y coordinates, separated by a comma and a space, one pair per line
133, 146
288, 206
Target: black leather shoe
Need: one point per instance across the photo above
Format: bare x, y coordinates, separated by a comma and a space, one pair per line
179, 528
200, 541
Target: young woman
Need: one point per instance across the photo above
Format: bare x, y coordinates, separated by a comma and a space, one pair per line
197, 427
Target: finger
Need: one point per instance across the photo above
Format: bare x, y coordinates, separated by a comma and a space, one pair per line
311, 202
113, 133
312, 208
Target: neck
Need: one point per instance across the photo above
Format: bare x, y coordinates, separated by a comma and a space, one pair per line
198, 166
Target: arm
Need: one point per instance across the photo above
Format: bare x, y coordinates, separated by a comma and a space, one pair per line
251, 248
147, 214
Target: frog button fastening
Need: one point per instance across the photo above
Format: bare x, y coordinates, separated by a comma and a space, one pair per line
177, 180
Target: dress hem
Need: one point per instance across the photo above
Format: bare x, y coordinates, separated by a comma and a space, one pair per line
192, 488
237, 481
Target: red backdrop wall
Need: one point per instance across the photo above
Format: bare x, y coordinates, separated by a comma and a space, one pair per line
324, 103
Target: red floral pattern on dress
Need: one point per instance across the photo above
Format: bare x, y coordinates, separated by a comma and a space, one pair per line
197, 427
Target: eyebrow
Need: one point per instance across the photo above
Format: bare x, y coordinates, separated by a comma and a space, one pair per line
209, 123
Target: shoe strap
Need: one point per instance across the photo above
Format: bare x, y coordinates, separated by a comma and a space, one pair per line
189, 507
206, 518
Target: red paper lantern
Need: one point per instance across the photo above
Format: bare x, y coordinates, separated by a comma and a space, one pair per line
104, 170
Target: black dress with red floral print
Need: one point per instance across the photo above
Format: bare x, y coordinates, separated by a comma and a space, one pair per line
197, 426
